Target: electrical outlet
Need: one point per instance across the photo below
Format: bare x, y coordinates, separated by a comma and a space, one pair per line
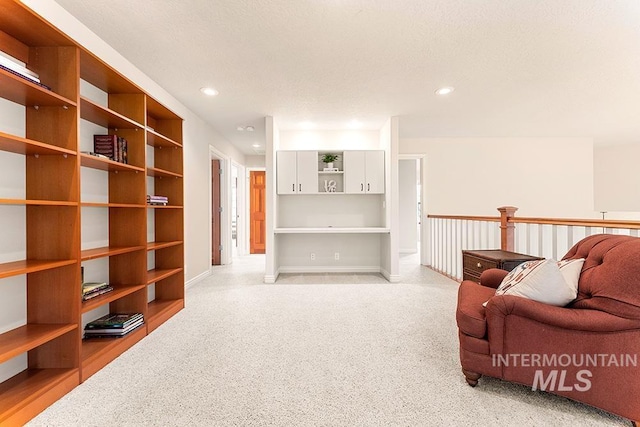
336, 256
313, 256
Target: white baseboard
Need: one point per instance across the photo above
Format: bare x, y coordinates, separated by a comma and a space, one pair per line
392, 278
271, 278
329, 269
198, 278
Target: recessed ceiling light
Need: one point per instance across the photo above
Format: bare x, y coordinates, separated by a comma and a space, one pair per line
307, 125
239, 128
249, 128
444, 90
256, 145
209, 91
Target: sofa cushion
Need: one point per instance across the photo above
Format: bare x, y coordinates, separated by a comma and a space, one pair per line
543, 281
470, 313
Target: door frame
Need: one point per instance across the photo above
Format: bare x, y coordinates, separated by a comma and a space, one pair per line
240, 210
225, 203
247, 199
424, 229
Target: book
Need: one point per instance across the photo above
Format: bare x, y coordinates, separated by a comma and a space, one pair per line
96, 293
106, 145
18, 66
113, 331
119, 334
115, 320
15, 73
92, 286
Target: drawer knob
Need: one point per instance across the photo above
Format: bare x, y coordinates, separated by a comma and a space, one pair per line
479, 265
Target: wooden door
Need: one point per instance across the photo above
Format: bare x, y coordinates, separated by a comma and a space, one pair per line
354, 172
374, 170
257, 193
215, 213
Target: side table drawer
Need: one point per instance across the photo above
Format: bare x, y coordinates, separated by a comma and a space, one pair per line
475, 266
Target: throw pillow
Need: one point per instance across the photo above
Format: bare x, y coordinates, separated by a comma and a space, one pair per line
571, 269
541, 281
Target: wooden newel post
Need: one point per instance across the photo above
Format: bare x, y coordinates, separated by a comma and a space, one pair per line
507, 228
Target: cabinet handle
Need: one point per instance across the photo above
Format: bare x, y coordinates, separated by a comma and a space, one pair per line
479, 265
293, 187
368, 187
299, 187
361, 187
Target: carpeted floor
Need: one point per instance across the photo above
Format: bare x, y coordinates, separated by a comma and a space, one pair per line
311, 350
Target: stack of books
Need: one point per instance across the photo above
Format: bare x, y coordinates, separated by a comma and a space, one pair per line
113, 325
17, 68
112, 146
157, 200
94, 289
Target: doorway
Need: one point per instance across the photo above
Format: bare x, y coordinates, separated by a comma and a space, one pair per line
413, 234
257, 228
216, 217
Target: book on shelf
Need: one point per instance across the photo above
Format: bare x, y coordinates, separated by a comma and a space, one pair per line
157, 200
112, 146
112, 332
115, 321
18, 66
94, 289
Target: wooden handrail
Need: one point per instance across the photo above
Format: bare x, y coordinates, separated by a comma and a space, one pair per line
606, 223
466, 217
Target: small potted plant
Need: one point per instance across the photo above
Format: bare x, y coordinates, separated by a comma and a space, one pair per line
329, 158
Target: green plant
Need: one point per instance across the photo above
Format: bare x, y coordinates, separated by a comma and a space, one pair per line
329, 158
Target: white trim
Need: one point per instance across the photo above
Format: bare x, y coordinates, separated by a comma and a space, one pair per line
408, 250
329, 269
198, 278
271, 279
392, 278
424, 226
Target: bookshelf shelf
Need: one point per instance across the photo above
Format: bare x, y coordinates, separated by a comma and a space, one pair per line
162, 173
24, 92
89, 161
161, 310
16, 268
98, 352
154, 246
158, 274
18, 145
105, 117
37, 202
109, 205
50, 133
89, 254
163, 207
33, 390
117, 293
157, 140
28, 337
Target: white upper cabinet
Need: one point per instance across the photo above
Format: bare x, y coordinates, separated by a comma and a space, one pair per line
297, 172
364, 172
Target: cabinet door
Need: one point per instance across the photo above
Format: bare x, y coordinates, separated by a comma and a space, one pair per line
307, 172
374, 169
286, 172
354, 172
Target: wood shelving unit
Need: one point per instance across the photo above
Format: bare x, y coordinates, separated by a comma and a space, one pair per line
50, 342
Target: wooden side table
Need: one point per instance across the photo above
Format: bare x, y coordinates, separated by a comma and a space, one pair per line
475, 262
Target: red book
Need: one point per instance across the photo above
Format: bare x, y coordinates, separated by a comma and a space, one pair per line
106, 145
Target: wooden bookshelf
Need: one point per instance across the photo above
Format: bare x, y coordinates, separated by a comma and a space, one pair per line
58, 359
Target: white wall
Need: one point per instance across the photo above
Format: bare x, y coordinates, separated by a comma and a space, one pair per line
255, 162
543, 177
198, 135
329, 140
617, 181
408, 199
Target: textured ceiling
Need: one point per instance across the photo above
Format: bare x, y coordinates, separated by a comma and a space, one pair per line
519, 68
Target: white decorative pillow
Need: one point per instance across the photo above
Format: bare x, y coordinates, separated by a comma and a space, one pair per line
543, 281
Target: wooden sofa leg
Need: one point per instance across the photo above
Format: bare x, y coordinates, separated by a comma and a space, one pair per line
471, 377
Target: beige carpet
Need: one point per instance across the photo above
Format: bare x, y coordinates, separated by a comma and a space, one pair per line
311, 350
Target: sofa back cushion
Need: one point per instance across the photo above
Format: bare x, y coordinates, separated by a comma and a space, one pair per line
610, 278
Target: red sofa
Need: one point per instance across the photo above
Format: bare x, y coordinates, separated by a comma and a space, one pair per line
588, 351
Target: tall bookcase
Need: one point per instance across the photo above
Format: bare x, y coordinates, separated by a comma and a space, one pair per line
65, 197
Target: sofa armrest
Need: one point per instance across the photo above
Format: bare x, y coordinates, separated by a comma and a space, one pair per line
492, 277
501, 306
